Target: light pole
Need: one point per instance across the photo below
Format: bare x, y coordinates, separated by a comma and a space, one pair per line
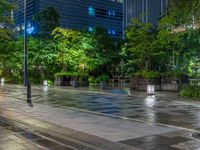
25, 43
26, 82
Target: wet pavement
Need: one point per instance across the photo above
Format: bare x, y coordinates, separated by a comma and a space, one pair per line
17, 136
110, 120
164, 108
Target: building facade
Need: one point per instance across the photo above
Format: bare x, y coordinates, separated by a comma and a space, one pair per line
145, 10
77, 14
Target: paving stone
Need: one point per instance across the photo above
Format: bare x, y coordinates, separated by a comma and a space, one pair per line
11, 145
189, 145
163, 108
30, 136
156, 142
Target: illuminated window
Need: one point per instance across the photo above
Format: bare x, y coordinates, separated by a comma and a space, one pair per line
111, 12
91, 11
111, 31
90, 29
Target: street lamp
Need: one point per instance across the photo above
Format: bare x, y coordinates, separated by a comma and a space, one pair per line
26, 82
25, 43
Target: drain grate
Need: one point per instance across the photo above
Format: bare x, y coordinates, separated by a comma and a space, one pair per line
196, 136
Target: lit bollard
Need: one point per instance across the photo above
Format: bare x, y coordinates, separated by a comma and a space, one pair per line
150, 89
2, 81
45, 82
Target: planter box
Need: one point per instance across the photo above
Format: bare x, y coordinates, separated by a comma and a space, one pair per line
102, 85
84, 82
75, 83
57, 81
62, 81
140, 84
169, 84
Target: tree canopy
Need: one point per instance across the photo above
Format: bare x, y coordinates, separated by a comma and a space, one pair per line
5, 19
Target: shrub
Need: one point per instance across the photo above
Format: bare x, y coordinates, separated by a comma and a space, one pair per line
192, 91
71, 74
91, 80
147, 74
102, 78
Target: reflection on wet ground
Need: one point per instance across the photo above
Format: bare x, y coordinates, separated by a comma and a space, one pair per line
165, 108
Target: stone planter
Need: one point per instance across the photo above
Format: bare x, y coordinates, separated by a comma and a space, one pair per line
170, 84
84, 82
62, 81
74, 83
140, 84
102, 85
58, 81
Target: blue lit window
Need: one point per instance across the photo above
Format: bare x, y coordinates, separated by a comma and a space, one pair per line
91, 11
111, 12
111, 31
90, 29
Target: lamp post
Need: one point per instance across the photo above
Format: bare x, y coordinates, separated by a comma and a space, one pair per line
25, 43
26, 82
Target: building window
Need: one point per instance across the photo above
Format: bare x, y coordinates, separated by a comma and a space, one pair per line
111, 12
91, 11
90, 29
111, 32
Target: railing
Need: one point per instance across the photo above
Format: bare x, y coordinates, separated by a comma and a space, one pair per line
119, 81
194, 81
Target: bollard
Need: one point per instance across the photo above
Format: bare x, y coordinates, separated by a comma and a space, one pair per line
29, 101
150, 89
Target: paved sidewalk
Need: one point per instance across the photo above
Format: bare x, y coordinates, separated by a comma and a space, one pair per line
9, 140
94, 131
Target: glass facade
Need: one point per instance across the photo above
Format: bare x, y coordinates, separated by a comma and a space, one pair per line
79, 14
144, 10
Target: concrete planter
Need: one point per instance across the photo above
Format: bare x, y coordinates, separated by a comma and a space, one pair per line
75, 83
170, 84
141, 84
84, 82
58, 81
102, 85
62, 81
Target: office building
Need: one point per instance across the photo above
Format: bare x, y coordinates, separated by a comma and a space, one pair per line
77, 14
145, 10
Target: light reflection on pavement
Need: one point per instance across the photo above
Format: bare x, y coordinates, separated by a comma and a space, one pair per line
164, 108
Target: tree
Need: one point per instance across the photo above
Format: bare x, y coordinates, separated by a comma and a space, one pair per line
185, 11
70, 53
46, 21
177, 37
142, 44
103, 53
5, 20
